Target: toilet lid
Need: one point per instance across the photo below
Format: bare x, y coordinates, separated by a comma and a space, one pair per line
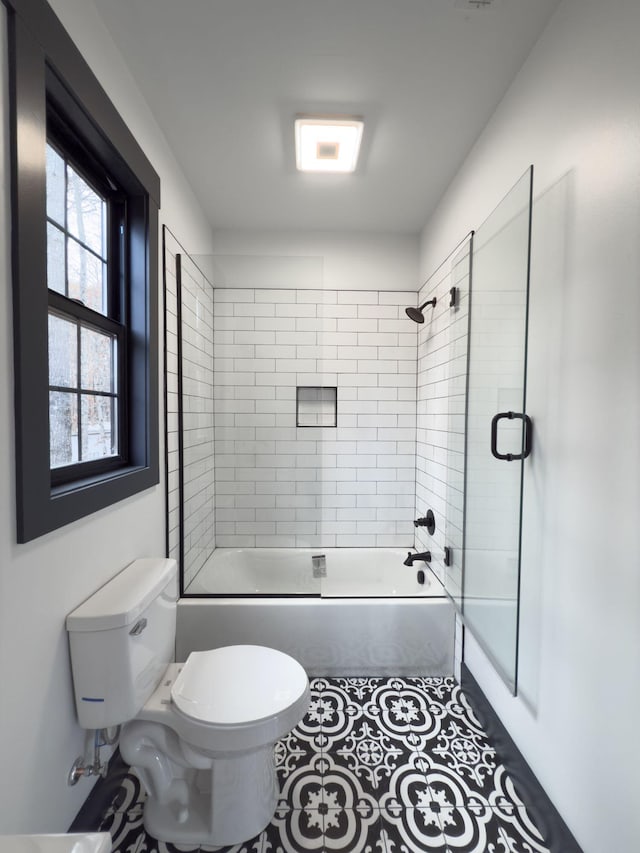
237, 684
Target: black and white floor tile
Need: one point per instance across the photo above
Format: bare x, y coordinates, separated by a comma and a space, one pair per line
378, 765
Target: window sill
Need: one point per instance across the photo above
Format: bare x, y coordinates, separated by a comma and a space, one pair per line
45, 511
84, 483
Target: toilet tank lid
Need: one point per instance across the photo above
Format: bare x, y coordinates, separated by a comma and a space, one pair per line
123, 598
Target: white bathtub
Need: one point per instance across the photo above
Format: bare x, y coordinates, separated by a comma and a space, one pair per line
369, 616
350, 572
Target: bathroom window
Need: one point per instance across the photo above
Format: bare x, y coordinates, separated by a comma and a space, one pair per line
85, 227
86, 335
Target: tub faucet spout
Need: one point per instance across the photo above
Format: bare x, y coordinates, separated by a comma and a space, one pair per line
411, 558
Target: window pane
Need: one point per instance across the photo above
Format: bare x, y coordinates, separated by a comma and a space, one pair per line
63, 428
98, 360
87, 276
98, 433
85, 212
55, 186
63, 352
55, 259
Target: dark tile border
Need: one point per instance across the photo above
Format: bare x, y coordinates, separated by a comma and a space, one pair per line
547, 818
100, 797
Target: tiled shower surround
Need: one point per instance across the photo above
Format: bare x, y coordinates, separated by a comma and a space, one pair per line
396, 451
278, 485
441, 383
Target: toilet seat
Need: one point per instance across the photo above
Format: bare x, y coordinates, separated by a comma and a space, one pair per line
203, 743
177, 702
259, 683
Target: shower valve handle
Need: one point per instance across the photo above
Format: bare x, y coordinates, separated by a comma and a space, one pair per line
429, 521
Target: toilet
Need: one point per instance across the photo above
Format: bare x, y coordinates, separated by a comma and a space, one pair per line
199, 734
91, 842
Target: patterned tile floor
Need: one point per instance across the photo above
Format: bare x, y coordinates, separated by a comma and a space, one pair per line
379, 765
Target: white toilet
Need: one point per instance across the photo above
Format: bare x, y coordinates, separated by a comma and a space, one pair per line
91, 842
200, 734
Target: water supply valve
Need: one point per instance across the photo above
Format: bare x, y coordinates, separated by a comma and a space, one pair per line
81, 768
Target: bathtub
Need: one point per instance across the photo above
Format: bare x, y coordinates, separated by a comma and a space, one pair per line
350, 572
368, 616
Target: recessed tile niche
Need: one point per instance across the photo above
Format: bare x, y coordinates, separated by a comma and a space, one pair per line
316, 406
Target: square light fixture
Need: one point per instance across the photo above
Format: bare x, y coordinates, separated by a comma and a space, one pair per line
327, 143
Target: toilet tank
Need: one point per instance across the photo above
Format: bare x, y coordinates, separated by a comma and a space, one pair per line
121, 641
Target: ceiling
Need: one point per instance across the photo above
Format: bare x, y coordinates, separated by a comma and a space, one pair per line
225, 78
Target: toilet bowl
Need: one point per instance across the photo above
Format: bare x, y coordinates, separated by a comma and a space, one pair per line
205, 754
92, 842
199, 734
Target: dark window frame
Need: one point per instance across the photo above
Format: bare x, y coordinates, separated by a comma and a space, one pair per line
48, 73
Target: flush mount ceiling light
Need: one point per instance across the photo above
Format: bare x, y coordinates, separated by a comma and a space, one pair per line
327, 143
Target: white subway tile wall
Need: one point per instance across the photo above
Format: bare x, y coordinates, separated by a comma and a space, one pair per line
197, 410
442, 367
278, 485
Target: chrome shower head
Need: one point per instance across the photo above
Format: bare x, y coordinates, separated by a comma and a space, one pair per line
416, 314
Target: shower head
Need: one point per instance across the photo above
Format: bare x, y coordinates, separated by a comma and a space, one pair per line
416, 314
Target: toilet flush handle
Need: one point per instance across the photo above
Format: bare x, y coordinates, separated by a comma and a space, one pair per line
139, 627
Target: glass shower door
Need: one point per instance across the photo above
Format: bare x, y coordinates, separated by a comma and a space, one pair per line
498, 433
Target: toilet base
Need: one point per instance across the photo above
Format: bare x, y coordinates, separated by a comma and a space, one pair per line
229, 803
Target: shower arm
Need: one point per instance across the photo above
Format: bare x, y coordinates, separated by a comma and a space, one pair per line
416, 314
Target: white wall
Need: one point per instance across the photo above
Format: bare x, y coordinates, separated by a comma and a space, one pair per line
574, 111
42, 581
319, 260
